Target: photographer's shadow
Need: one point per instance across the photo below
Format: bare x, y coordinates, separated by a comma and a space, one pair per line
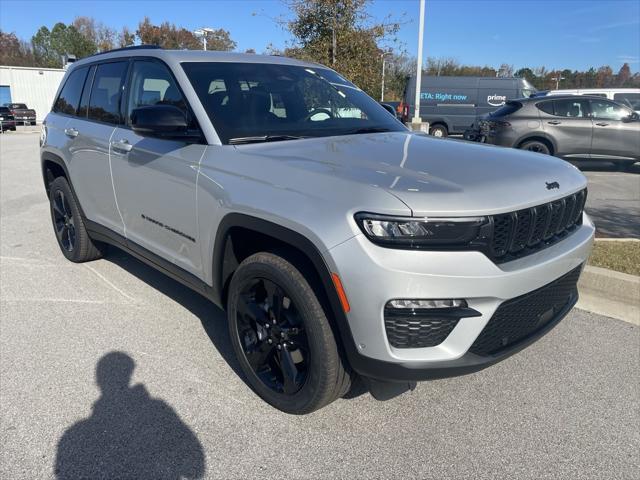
129, 434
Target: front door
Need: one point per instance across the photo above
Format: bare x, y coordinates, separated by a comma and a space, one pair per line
615, 134
155, 177
567, 122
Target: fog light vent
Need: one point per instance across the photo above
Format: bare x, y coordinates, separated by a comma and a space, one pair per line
416, 323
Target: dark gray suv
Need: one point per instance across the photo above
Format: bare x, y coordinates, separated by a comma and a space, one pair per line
567, 126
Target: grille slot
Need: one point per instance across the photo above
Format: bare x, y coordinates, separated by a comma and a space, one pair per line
524, 232
417, 331
520, 317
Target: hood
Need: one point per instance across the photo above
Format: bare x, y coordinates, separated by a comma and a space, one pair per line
433, 176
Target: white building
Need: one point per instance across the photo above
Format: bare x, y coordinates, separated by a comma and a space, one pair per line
34, 86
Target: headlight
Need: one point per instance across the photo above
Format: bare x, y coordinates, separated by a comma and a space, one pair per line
408, 232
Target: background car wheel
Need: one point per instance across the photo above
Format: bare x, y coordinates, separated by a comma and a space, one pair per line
72, 236
282, 338
625, 165
536, 146
439, 131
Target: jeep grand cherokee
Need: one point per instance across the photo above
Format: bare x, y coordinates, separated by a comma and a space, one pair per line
339, 243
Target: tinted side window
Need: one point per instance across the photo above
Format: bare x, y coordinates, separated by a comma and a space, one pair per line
86, 91
104, 104
546, 107
608, 110
152, 84
569, 108
69, 97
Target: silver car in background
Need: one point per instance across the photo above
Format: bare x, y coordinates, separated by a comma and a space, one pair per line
567, 126
339, 243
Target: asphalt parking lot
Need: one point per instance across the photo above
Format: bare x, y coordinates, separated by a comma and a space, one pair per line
111, 370
614, 199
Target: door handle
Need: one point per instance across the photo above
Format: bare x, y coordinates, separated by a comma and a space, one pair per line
122, 145
71, 132
602, 124
554, 122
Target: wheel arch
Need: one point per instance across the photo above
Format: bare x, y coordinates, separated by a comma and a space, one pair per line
240, 235
52, 167
540, 138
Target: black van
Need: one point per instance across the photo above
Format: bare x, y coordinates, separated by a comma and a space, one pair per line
451, 104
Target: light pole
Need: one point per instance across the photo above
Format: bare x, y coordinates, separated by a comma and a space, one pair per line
383, 54
416, 115
557, 79
202, 32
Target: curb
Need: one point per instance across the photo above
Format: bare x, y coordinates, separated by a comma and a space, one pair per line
610, 293
617, 240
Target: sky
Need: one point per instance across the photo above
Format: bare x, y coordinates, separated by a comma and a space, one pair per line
574, 34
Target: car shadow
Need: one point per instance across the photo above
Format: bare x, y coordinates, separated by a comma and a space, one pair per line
129, 433
603, 166
212, 318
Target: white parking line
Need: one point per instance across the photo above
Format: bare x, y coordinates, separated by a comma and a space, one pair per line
111, 284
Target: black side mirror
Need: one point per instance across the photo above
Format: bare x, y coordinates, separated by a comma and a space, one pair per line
389, 108
159, 120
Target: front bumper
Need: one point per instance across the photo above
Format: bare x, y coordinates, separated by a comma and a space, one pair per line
373, 275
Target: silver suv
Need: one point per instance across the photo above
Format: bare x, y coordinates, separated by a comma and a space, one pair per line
340, 244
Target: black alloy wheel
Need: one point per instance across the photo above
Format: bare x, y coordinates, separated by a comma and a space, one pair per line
63, 221
272, 336
282, 337
68, 224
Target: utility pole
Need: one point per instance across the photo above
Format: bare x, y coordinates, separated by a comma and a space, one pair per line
333, 37
383, 54
557, 79
416, 115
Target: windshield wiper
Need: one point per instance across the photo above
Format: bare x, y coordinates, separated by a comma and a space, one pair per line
262, 138
368, 130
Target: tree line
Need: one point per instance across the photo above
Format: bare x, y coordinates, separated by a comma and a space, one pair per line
337, 33
86, 36
541, 77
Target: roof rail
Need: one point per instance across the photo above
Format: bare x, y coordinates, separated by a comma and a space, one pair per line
132, 47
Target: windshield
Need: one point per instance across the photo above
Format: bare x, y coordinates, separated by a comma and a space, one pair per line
257, 101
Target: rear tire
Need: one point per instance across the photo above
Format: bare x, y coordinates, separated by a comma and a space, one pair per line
282, 338
626, 165
536, 146
439, 131
68, 226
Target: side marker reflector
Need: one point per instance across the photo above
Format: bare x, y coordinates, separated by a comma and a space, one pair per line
343, 296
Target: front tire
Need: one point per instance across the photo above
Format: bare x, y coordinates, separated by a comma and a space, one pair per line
439, 131
536, 146
282, 338
71, 233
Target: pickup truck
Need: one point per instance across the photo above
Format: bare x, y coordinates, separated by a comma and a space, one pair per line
6, 120
22, 113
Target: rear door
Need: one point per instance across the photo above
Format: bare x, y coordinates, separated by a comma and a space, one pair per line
568, 124
614, 136
154, 177
91, 132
